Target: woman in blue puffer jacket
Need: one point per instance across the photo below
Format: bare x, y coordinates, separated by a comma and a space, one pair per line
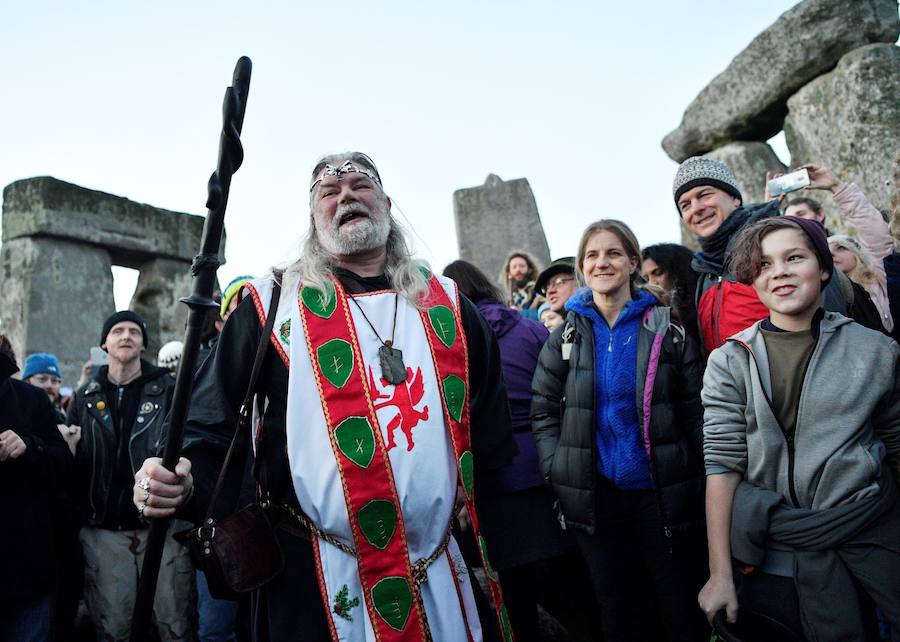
618, 421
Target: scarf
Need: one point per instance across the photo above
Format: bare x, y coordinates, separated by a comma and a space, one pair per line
716, 247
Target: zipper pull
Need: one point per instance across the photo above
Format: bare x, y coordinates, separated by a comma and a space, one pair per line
610, 342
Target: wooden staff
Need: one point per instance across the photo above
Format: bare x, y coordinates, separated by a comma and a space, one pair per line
203, 269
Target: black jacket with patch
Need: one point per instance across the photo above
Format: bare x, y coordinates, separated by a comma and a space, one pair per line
113, 446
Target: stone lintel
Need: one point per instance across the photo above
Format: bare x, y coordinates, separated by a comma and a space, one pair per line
133, 233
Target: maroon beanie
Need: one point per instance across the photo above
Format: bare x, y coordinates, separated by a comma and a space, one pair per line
818, 238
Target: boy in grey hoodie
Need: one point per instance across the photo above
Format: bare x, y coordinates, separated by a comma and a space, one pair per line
801, 420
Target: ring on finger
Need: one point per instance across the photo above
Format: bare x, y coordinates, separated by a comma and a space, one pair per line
141, 509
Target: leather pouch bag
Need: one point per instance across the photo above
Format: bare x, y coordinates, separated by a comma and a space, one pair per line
238, 553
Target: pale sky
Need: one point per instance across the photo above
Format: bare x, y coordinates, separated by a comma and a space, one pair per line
126, 98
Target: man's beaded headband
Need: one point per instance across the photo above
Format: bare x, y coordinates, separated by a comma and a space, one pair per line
346, 168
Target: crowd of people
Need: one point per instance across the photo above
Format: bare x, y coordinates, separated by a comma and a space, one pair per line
625, 444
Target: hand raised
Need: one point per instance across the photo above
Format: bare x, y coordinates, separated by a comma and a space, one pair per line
11, 445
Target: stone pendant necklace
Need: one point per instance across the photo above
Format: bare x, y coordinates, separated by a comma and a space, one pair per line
392, 367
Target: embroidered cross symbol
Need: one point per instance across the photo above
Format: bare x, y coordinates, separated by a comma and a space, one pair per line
336, 363
359, 446
442, 330
323, 301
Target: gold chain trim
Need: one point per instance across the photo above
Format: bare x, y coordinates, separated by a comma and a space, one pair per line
419, 567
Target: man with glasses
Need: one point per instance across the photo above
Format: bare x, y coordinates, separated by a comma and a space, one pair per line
557, 283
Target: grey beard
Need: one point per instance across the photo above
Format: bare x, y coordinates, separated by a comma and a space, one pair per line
367, 235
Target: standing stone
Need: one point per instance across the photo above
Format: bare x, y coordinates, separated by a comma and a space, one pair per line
160, 284
59, 243
56, 295
895, 204
749, 162
748, 101
850, 118
496, 218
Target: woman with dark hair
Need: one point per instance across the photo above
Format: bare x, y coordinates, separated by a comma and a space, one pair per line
668, 265
518, 519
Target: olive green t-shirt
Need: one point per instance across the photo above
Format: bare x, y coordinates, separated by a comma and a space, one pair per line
789, 354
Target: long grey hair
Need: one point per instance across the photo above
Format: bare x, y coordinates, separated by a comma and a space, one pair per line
315, 265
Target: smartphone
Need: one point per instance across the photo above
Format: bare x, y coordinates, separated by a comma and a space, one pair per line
99, 357
788, 183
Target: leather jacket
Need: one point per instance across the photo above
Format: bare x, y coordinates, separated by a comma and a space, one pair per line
96, 456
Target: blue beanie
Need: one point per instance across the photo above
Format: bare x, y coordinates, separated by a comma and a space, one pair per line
41, 363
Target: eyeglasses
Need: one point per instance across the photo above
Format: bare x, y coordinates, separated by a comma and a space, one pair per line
559, 281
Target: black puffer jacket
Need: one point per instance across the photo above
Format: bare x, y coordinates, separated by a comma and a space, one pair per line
563, 417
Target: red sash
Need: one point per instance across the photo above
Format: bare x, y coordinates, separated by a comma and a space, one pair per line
447, 339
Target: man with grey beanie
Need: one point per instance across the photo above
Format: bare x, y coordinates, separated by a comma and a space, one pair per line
709, 201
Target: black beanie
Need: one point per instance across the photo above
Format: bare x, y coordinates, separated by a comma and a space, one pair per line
118, 317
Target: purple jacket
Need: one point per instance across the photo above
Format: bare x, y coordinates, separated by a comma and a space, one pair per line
520, 342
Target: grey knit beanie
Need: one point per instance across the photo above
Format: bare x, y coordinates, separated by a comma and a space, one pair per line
699, 170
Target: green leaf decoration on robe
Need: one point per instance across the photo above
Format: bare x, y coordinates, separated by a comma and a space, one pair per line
393, 601
356, 440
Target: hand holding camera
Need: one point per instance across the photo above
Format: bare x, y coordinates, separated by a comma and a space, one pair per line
779, 185
807, 176
820, 177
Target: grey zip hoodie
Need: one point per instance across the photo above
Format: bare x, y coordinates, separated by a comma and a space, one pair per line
848, 418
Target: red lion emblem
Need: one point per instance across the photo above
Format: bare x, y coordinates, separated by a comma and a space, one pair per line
405, 398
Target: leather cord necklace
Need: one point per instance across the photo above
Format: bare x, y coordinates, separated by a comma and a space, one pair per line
392, 367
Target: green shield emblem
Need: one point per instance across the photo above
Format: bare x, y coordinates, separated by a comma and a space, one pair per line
466, 472
377, 521
455, 395
356, 440
336, 361
393, 601
443, 323
320, 303
488, 569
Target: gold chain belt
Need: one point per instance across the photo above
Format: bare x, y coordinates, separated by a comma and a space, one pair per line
419, 567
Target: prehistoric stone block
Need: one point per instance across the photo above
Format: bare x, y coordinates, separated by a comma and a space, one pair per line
749, 162
59, 243
748, 101
135, 233
56, 296
850, 118
160, 284
495, 218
